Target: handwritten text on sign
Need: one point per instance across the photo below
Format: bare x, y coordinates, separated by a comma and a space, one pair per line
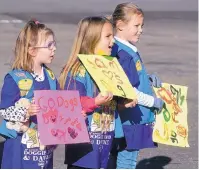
171, 123
60, 120
108, 74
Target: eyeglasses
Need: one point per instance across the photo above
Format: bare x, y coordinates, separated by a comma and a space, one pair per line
50, 45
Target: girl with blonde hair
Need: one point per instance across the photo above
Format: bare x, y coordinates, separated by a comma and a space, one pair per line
35, 47
137, 123
94, 36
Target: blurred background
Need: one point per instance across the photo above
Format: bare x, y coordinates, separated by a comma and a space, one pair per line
168, 46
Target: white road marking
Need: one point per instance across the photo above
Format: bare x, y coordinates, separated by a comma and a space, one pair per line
15, 21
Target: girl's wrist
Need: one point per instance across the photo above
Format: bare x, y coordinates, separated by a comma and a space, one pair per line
96, 103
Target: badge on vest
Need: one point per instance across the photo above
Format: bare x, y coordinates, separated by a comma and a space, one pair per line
51, 74
104, 121
24, 86
138, 65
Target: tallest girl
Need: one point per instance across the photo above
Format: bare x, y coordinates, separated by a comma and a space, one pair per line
128, 21
95, 34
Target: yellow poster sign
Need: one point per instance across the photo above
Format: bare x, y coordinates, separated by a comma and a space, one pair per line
108, 75
171, 126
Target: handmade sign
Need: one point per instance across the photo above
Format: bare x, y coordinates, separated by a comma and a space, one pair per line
171, 126
60, 120
108, 75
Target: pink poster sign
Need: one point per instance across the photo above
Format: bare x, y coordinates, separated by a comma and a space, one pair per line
60, 120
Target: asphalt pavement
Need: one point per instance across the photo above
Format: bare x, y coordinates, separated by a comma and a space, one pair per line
168, 46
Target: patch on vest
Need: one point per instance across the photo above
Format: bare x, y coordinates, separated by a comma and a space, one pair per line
24, 86
20, 74
104, 121
51, 74
138, 65
31, 139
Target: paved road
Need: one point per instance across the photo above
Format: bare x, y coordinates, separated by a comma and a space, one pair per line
168, 47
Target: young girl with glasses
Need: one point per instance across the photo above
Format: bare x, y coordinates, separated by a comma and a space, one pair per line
35, 47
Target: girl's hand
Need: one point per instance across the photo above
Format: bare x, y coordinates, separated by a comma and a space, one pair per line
33, 108
103, 98
132, 103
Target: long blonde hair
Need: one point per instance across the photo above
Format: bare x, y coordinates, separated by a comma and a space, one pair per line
88, 35
28, 37
124, 12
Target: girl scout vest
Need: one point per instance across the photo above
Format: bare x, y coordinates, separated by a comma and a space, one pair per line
134, 121
144, 85
100, 124
24, 80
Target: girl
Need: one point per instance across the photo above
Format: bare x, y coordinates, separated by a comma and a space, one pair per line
95, 34
136, 122
35, 47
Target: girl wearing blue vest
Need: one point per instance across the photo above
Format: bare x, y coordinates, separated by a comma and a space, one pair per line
95, 34
136, 130
35, 47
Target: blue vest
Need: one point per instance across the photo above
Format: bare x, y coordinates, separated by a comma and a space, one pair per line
12, 133
144, 85
94, 155
132, 122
